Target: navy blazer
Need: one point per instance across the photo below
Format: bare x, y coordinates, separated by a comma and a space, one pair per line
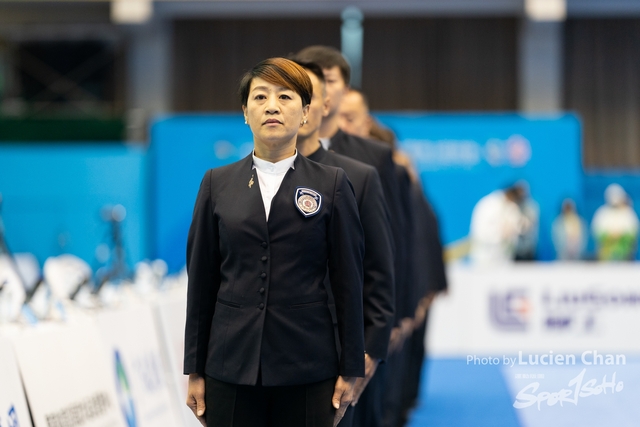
396, 193
379, 286
256, 301
428, 246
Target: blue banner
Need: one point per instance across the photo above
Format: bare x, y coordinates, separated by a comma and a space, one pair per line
182, 149
460, 158
53, 195
463, 157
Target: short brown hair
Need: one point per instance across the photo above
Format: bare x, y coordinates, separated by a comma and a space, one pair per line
326, 57
278, 71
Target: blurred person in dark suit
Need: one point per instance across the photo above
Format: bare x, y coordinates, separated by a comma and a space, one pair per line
355, 118
378, 287
336, 71
430, 280
429, 272
260, 348
353, 114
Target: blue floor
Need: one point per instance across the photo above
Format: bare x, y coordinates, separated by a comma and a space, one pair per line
454, 394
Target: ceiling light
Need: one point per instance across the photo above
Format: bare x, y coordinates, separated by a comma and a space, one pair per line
546, 10
131, 11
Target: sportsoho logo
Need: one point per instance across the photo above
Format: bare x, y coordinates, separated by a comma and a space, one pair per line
510, 310
124, 392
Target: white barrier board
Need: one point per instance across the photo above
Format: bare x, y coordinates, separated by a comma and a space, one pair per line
541, 309
66, 376
13, 405
172, 314
136, 366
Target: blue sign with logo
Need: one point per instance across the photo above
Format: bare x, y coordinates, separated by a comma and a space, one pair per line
509, 311
12, 418
462, 158
125, 397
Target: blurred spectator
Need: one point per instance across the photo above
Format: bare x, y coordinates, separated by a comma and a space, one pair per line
528, 239
354, 118
496, 224
569, 233
615, 226
353, 114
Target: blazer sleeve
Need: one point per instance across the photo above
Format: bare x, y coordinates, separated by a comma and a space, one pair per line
379, 285
203, 269
393, 192
439, 278
346, 249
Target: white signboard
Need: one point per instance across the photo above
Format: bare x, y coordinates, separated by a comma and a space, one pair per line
13, 406
66, 376
543, 310
136, 366
171, 312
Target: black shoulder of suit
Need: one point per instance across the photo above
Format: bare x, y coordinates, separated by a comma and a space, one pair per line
366, 150
349, 165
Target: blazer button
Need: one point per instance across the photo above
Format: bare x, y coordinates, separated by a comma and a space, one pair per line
263, 244
262, 290
263, 275
261, 306
264, 258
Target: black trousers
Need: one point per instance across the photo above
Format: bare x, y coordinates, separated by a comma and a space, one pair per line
368, 411
306, 405
393, 389
413, 370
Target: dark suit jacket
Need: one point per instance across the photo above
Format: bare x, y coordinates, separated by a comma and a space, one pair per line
379, 156
256, 299
428, 247
406, 301
378, 287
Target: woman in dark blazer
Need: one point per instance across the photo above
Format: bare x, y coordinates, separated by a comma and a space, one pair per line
260, 348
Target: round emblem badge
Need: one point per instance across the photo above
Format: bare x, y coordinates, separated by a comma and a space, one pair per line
307, 203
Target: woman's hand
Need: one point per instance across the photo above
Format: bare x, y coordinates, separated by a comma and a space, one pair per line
342, 396
195, 397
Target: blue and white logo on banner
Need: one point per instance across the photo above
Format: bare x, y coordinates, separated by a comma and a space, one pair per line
123, 388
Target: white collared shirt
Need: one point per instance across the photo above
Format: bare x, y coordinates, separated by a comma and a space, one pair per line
326, 143
270, 176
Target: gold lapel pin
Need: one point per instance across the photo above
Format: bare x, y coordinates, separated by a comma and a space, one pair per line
251, 181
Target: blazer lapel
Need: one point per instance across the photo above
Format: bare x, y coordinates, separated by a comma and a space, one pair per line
249, 191
283, 195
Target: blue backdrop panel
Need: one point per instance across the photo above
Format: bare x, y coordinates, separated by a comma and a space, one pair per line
462, 158
183, 148
53, 195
